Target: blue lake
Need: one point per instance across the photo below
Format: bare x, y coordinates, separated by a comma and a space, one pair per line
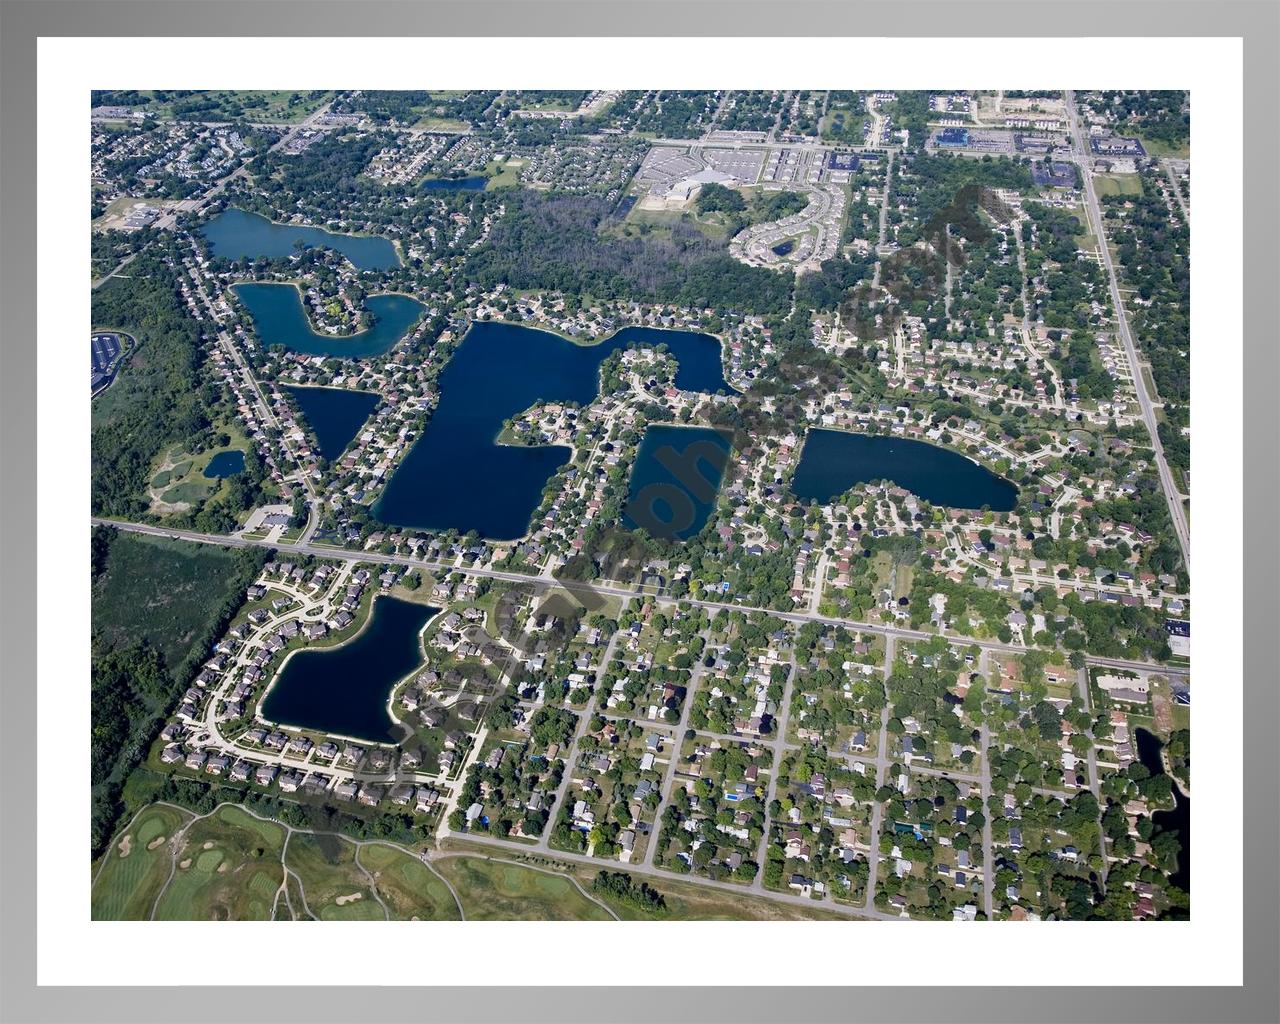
344, 690
457, 477
476, 183
833, 461
281, 319
675, 479
1177, 820
237, 234
225, 464
335, 415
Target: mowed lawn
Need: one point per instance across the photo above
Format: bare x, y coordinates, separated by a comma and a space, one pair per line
167, 592
136, 866
228, 869
1117, 184
410, 889
496, 891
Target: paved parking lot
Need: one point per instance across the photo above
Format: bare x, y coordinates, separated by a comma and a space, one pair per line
663, 166
743, 164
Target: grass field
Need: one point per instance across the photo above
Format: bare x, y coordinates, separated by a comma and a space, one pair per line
327, 866
691, 902
227, 866
179, 475
503, 174
1156, 147
475, 878
441, 124
1117, 184
136, 866
411, 891
658, 224
494, 891
228, 869
191, 490
167, 592
1084, 237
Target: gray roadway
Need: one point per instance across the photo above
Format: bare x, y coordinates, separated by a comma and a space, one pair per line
546, 579
1082, 156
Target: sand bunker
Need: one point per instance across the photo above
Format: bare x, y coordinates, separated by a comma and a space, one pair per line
126, 844
185, 863
208, 845
155, 842
342, 901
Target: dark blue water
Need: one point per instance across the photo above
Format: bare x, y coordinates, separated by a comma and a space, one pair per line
833, 461
237, 234
225, 464
782, 248
1177, 820
345, 690
456, 477
280, 318
472, 184
675, 480
335, 415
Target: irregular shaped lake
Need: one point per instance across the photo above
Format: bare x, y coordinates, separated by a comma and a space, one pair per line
1177, 820
833, 461
225, 464
344, 690
675, 480
458, 477
280, 318
237, 234
335, 415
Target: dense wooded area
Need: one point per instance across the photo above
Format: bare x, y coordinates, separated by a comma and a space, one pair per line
164, 596
160, 396
554, 242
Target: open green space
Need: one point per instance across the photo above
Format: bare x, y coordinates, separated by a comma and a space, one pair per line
1117, 184
503, 173
690, 902
659, 224
179, 476
499, 891
191, 490
336, 888
227, 869
136, 865
410, 889
1158, 147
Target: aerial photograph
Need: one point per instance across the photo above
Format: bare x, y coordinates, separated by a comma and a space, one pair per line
603, 505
